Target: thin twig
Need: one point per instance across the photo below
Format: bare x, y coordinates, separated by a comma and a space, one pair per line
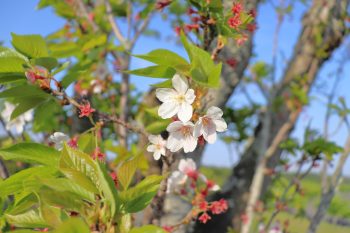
114, 25
158, 201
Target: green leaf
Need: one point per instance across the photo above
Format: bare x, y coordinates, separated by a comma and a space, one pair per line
107, 186
50, 214
31, 153
157, 126
23, 91
203, 70
30, 219
24, 201
79, 167
26, 104
167, 58
24, 231
62, 67
127, 169
7, 53
87, 143
166, 84
73, 225
154, 72
25, 180
66, 185
45, 116
11, 65
95, 41
139, 197
321, 145
64, 50
148, 229
11, 77
32, 46
88, 173
47, 62
66, 200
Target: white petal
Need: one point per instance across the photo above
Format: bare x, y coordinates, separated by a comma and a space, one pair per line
182, 165
59, 146
180, 84
203, 178
220, 124
165, 94
58, 137
210, 137
153, 139
28, 116
156, 155
162, 151
185, 112
209, 133
197, 132
151, 148
19, 127
174, 126
214, 112
168, 110
191, 164
215, 188
174, 143
190, 144
190, 96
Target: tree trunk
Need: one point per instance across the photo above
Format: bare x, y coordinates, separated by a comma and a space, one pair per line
323, 20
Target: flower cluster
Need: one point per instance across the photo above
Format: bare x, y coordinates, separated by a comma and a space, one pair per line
15, 125
183, 131
236, 21
188, 181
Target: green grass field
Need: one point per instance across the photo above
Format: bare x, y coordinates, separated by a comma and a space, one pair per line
340, 206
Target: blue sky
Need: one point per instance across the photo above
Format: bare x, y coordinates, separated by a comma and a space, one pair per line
21, 17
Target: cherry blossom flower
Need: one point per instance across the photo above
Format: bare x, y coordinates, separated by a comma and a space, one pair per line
186, 169
218, 207
176, 180
73, 142
234, 22
237, 8
85, 110
204, 218
17, 124
58, 139
176, 101
181, 136
211, 186
97, 154
209, 124
203, 205
157, 146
